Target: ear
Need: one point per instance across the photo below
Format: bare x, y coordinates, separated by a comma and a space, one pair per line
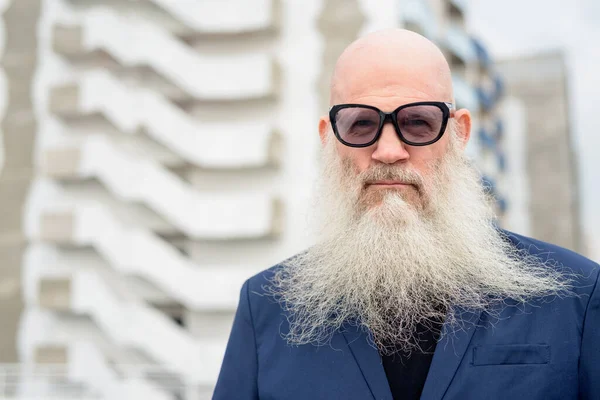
463, 121
323, 128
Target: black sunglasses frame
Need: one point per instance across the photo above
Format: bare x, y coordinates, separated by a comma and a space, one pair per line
446, 108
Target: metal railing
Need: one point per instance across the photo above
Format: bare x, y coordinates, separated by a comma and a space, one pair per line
56, 381
25, 382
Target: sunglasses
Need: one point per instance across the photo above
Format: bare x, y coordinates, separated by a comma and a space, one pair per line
417, 124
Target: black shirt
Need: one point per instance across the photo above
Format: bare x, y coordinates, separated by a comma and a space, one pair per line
405, 373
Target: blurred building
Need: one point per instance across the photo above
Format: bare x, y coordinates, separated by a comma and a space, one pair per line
174, 157
18, 50
539, 83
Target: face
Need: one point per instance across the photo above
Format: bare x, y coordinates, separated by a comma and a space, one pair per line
389, 152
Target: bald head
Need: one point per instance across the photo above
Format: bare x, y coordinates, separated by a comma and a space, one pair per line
386, 70
391, 63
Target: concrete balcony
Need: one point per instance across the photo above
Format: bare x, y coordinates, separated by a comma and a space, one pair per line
456, 11
418, 17
104, 36
68, 40
79, 369
124, 319
465, 94
198, 215
459, 46
232, 145
51, 354
61, 163
55, 294
64, 100
225, 17
57, 226
136, 252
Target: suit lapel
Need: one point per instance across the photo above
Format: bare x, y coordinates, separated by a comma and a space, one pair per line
368, 359
448, 355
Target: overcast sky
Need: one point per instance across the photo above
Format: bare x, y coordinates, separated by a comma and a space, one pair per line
514, 27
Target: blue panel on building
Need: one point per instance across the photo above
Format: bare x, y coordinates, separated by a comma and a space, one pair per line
498, 87
486, 139
499, 132
485, 99
482, 54
502, 204
501, 160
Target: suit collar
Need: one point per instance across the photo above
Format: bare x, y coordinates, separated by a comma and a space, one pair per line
447, 357
368, 360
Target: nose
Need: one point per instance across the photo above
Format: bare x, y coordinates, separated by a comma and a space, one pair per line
389, 149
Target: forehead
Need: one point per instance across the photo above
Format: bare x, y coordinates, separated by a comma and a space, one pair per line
390, 84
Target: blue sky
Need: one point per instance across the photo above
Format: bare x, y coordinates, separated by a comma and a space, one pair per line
514, 27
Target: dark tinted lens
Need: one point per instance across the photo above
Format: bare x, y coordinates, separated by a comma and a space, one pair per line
420, 124
357, 125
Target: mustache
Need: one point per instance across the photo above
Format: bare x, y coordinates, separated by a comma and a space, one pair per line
386, 172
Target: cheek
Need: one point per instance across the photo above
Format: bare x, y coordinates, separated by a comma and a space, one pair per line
425, 159
360, 157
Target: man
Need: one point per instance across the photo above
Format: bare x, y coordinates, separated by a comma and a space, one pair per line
411, 291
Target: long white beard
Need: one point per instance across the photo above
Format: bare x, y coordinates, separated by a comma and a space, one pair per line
389, 263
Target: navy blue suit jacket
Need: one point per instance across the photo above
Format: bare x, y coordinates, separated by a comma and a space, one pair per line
549, 350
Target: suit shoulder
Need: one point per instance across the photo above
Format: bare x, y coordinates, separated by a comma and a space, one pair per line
261, 281
560, 256
264, 307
